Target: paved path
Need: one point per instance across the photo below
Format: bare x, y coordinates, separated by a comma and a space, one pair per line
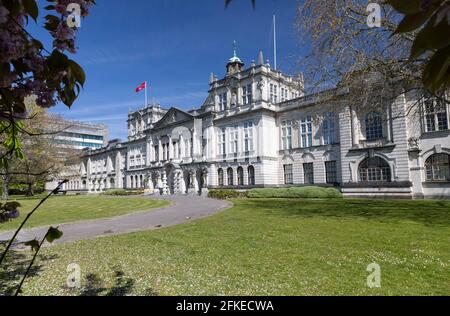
183, 209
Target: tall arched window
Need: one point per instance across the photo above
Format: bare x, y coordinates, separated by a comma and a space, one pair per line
374, 169
240, 174
230, 177
438, 167
251, 175
220, 175
374, 126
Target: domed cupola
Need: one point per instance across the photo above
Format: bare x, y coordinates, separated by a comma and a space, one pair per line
235, 64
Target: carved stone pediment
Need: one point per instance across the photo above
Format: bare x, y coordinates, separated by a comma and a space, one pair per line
173, 116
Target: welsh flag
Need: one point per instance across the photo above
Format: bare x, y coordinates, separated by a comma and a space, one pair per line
141, 87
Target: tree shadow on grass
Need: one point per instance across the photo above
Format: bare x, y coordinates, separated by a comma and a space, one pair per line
123, 285
14, 267
430, 213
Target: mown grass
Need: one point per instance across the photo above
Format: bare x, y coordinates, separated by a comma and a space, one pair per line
65, 209
267, 247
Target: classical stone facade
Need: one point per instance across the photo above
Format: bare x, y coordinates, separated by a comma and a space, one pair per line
258, 129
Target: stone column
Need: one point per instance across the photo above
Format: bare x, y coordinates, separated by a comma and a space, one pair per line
160, 150
165, 190
182, 183
181, 144
170, 155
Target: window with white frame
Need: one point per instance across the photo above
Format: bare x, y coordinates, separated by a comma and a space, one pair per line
248, 136
220, 176
286, 135
288, 174
438, 167
221, 142
308, 173
283, 97
234, 137
131, 161
247, 94
374, 126
306, 132
435, 115
223, 101
329, 129
374, 169
331, 172
273, 93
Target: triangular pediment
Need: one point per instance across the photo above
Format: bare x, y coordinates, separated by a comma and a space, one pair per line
173, 116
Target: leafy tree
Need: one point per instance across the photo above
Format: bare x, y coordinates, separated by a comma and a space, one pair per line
27, 68
413, 41
429, 20
42, 159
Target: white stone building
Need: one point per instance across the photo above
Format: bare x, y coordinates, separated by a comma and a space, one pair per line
258, 129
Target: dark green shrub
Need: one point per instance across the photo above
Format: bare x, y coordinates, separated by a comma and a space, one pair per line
224, 194
122, 192
299, 193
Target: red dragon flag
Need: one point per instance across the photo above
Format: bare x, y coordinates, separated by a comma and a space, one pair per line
141, 87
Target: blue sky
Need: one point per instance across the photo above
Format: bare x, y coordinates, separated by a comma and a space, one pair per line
174, 45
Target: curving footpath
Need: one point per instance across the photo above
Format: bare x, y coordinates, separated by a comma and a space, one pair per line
182, 209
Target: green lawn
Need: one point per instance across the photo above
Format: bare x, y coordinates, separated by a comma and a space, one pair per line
267, 247
65, 209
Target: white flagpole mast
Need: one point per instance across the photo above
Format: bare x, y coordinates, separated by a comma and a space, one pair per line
275, 41
146, 96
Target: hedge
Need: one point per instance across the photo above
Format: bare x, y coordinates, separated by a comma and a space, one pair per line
121, 192
299, 192
226, 194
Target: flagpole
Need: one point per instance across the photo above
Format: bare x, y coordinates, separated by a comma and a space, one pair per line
146, 96
275, 41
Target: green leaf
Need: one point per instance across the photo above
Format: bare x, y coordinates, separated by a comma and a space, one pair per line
436, 75
431, 37
53, 234
34, 244
31, 8
413, 21
406, 6
78, 72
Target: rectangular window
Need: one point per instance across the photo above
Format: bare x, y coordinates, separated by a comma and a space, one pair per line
286, 135
273, 93
248, 136
308, 172
223, 101
331, 172
329, 129
234, 136
288, 176
221, 142
247, 94
306, 132
435, 115
283, 95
